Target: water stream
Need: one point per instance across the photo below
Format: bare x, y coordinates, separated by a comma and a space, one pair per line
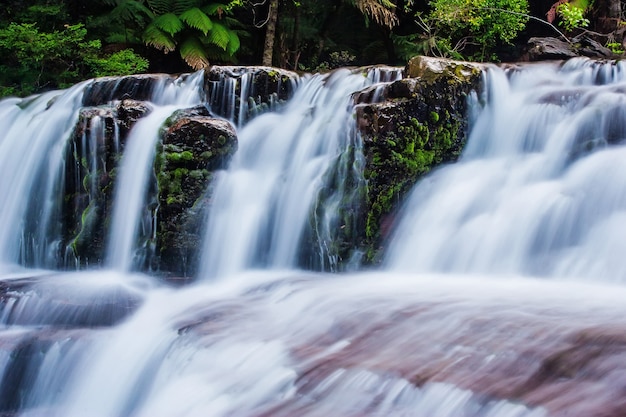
501, 293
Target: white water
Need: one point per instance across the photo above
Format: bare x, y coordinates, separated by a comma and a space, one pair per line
538, 191
136, 166
264, 201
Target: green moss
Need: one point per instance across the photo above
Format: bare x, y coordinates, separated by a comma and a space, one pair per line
398, 158
179, 156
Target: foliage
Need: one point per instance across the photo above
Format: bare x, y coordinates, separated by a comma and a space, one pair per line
123, 62
192, 27
33, 60
572, 17
479, 25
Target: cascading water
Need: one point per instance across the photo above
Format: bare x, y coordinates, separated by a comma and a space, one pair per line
263, 203
538, 191
136, 166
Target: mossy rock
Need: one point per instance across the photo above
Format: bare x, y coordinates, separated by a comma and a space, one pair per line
421, 125
194, 146
91, 159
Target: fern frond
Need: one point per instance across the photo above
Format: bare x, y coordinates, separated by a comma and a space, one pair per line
159, 7
217, 9
233, 43
381, 11
219, 35
181, 6
169, 23
192, 51
196, 19
130, 11
155, 37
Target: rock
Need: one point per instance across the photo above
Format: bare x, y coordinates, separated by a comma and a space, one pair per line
419, 126
194, 146
240, 93
137, 87
92, 157
540, 49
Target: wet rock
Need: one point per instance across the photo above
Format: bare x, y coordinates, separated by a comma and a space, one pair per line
93, 154
194, 146
420, 125
240, 93
136, 87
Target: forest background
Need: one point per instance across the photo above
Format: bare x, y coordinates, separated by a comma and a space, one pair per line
49, 44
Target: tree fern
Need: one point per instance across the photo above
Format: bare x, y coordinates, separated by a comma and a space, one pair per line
196, 19
181, 6
219, 35
155, 37
168, 23
192, 51
381, 11
159, 7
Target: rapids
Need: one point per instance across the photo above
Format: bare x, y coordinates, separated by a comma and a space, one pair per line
501, 293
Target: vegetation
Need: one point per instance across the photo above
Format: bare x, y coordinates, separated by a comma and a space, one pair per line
47, 44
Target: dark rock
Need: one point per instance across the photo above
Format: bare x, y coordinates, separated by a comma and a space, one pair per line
93, 154
194, 146
541, 49
243, 92
135, 87
421, 125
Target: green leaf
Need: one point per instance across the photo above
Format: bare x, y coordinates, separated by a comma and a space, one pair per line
160, 6
217, 9
180, 6
192, 51
155, 37
169, 23
219, 35
233, 43
196, 19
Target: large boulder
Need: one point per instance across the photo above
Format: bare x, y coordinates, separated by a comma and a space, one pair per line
194, 146
420, 124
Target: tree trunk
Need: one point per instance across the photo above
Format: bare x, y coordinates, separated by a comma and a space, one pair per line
270, 33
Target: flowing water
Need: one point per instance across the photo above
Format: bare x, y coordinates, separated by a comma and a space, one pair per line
501, 292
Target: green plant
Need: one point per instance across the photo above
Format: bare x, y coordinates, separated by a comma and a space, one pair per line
123, 62
615, 47
192, 28
572, 17
478, 26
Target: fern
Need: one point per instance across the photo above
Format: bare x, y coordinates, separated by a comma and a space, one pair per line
181, 6
196, 19
217, 9
233, 43
159, 7
155, 37
219, 35
192, 51
168, 23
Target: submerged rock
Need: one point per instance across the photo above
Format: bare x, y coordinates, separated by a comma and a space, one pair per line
420, 124
194, 146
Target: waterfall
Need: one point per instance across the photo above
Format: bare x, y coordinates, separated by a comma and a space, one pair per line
263, 202
501, 293
34, 131
137, 163
540, 189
